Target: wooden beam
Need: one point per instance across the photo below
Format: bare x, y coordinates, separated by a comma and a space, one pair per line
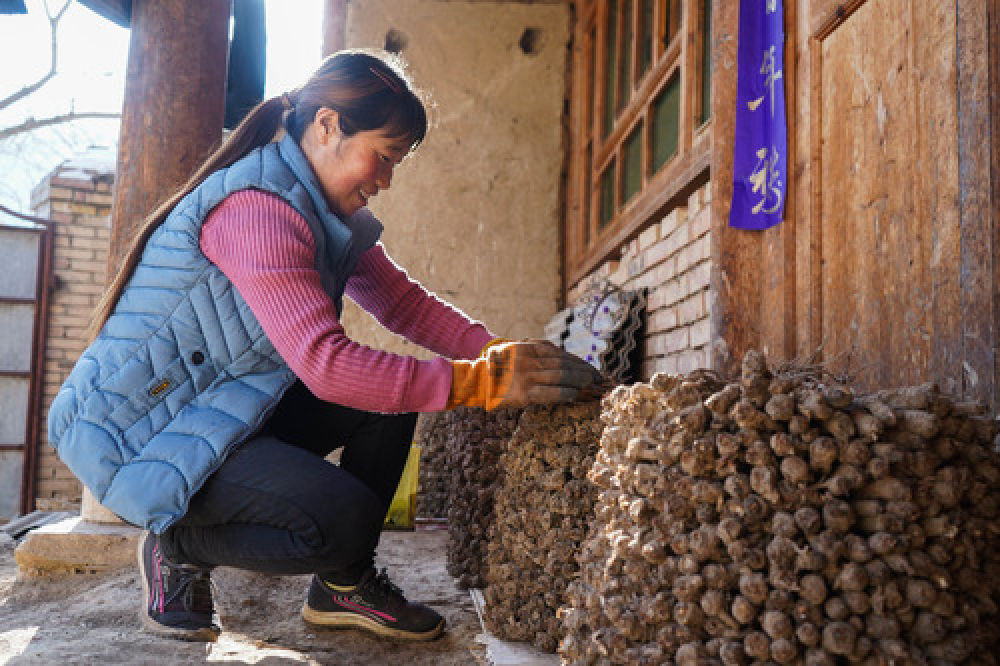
977, 269
994, 214
778, 244
175, 95
334, 26
736, 254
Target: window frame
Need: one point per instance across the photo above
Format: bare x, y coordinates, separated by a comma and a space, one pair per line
588, 244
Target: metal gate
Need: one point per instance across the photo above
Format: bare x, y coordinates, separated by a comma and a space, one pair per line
25, 267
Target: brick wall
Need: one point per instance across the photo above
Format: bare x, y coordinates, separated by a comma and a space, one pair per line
672, 258
77, 197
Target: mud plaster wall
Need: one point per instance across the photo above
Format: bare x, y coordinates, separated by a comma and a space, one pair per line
474, 214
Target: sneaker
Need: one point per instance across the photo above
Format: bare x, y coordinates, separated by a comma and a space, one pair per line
178, 597
374, 604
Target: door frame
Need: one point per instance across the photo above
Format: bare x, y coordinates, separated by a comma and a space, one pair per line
43, 279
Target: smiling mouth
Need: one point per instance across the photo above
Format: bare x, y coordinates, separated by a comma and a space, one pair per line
365, 196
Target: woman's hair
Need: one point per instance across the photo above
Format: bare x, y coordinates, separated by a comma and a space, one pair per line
368, 91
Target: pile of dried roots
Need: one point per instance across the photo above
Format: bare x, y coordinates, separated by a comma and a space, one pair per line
543, 512
433, 475
474, 439
786, 519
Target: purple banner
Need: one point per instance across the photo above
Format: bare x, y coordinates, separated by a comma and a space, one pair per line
760, 144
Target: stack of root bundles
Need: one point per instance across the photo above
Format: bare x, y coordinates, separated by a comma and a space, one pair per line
543, 511
788, 519
475, 438
433, 476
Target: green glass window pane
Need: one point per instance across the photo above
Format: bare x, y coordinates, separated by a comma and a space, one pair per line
607, 195
645, 36
625, 76
706, 64
633, 164
610, 70
588, 191
666, 121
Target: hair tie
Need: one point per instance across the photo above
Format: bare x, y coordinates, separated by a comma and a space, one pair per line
387, 80
286, 102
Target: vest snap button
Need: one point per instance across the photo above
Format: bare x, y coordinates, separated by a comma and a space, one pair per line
197, 358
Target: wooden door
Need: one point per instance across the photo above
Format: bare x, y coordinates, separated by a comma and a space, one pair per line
886, 159
25, 252
883, 268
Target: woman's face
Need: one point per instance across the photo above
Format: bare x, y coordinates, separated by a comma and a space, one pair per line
350, 169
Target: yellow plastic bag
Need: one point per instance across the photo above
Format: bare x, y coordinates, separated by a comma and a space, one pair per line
403, 509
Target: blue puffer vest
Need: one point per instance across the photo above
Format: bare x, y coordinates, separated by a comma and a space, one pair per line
182, 372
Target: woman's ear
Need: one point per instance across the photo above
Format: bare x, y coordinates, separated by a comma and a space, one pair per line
327, 123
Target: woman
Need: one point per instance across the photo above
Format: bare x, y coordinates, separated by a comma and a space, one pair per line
221, 375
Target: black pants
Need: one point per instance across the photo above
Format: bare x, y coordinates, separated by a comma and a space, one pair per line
277, 506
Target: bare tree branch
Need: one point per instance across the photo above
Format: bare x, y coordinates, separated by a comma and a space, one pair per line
35, 123
28, 89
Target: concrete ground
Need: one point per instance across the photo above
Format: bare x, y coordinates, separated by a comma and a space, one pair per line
92, 619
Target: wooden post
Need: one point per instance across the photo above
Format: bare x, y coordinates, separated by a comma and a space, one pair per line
334, 26
736, 254
175, 97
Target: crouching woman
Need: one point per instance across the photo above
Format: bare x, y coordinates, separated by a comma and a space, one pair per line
220, 376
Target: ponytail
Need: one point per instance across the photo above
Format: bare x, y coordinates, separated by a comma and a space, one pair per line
257, 129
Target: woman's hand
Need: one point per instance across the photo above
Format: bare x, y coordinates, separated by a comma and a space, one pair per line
516, 374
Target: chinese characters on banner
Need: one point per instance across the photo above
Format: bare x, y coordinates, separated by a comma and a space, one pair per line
760, 146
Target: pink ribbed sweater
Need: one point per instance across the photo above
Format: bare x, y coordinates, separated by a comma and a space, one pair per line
266, 249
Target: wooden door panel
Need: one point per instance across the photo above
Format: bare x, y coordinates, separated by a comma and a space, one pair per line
885, 197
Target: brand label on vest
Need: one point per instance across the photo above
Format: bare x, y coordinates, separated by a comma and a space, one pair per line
159, 388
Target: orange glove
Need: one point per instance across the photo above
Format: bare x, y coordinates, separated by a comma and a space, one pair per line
515, 374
